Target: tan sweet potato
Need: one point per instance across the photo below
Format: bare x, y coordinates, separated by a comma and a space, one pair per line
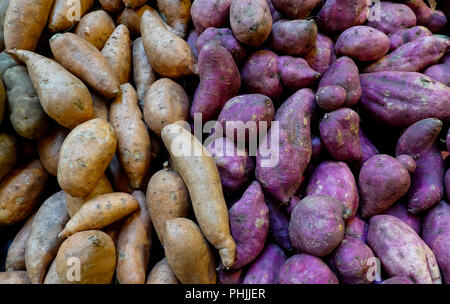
101, 106
48, 147
112, 6
177, 14
66, 13
143, 74
162, 274
52, 276
96, 27
117, 51
8, 153
14, 277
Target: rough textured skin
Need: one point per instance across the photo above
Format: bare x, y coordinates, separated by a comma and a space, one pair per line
427, 181
225, 38
280, 164
401, 98
344, 72
339, 133
96, 253
439, 72
408, 162
197, 168
15, 258
229, 276
169, 55
52, 276
62, 95
210, 13
27, 116
330, 98
335, 179
401, 251
403, 36
188, 253
117, 51
3, 7
43, 242
393, 17
249, 221
48, 147
79, 169
297, 9
95, 27
305, 269
251, 21
260, 74
293, 37
143, 74
8, 153
162, 274
20, 191
64, 14
434, 20
14, 277
397, 280
322, 54
219, 81
436, 233
368, 149
235, 165
112, 6
362, 43
177, 13
400, 211
413, 56
295, 73
356, 228
338, 15
382, 181
265, 268
279, 223
419, 137
100, 211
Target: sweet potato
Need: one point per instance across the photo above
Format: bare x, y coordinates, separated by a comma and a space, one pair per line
117, 51
20, 191
210, 13
400, 211
295, 73
367, 147
305, 269
112, 6
393, 17
331, 97
79, 169
3, 8
439, 72
95, 27
14, 277
188, 253
15, 258
65, 14
134, 3
162, 274
401, 37
265, 268
197, 168
322, 54
293, 37
101, 106
338, 15
297, 9
92, 254
8, 153
401, 251
43, 242
165, 102
143, 74
118, 176
408, 162
177, 14
279, 223
434, 20
169, 55
397, 280
49, 146
356, 228
52, 276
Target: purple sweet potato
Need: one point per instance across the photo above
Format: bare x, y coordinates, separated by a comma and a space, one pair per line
265, 268
408, 162
305, 269
192, 41
330, 98
439, 72
285, 152
295, 9
339, 132
229, 276
210, 13
356, 228
316, 225
322, 54
397, 280
401, 251
393, 17
339, 15
436, 233
399, 99
260, 74
219, 81
276, 15
403, 36
400, 211
335, 179
317, 147
362, 43
295, 73
367, 147
279, 224
434, 20
419, 137
293, 37
427, 181
249, 222
382, 181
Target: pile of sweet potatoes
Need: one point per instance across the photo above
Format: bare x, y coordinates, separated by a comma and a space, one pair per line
224, 141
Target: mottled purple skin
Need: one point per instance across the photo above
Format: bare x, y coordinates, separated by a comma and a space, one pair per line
339, 15
356, 228
234, 169
340, 136
419, 137
433, 19
229, 276
293, 37
242, 109
322, 54
427, 181
210, 13
316, 225
353, 260
436, 233
276, 15
400, 211
260, 74
317, 147
439, 72
403, 36
219, 81
367, 147
305, 269
295, 73
279, 224
292, 203
280, 165
401, 251
382, 181
447, 184
413, 56
192, 41
362, 43
397, 280
225, 38
265, 268
249, 223
408, 162
295, 9
330, 98
399, 99
335, 179
344, 72
393, 17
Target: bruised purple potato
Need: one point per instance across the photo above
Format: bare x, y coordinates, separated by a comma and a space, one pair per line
393, 17
279, 224
295, 73
439, 72
356, 228
382, 181
305, 269
397, 280
367, 147
293, 37
229, 276
403, 36
316, 225
265, 268
408, 162
295, 9
339, 15
401, 251
249, 222
400, 211
330, 98
210, 13
322, 54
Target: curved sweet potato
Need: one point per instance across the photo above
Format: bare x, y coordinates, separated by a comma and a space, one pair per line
401, 37
393, 17
143, 74
117, 51
64, 14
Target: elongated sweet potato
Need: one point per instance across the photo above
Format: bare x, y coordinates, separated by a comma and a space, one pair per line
49, 146
8, 153
400, 211
15, 258
433, 19
322, 54
295, 73
265, 268
210, 13
393, 17
96, 27
143, 74
401, 37
177, 14
162, 274
338, 15
305, 269
65, 14
293, 37
297, 9
117, 51
14, 277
